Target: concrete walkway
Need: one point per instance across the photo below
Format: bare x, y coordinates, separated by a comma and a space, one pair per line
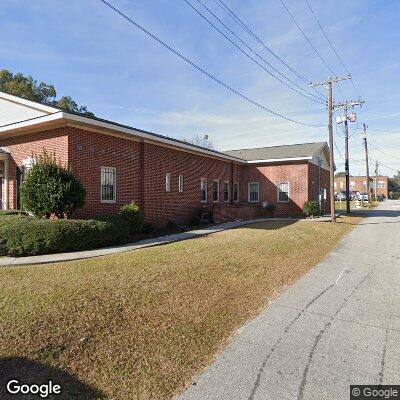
52, 258
338, 325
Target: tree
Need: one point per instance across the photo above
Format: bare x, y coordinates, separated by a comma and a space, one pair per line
28, 88
201, 141
50, 188
340, 174
394, 183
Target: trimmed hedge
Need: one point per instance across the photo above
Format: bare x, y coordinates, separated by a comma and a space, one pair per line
22, 235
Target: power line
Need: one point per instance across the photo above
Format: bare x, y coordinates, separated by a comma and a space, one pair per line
253, 51
331, 44
384, 131
383, 152
309, 42
203, 71
244, 26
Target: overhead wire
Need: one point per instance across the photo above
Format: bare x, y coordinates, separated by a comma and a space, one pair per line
203, 71
246, 28
313, 98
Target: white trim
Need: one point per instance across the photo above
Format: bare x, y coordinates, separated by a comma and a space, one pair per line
229, 192
238, 192
27, 103
201, 189
215, 201
288, 192
115, 185
180, 184
62, 115
279, 159
248, 192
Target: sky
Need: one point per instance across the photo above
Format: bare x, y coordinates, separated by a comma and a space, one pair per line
92, 54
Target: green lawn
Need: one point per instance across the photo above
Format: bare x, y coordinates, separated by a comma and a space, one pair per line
140, 325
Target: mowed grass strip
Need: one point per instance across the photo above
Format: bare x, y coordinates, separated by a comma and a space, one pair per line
141, 325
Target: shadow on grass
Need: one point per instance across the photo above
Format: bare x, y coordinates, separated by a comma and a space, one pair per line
31, 372
271, 225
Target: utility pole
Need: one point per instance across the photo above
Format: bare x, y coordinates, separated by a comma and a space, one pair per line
366, 159
346, 105
376, 179
328, 85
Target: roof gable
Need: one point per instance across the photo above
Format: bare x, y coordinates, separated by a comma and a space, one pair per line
275, 153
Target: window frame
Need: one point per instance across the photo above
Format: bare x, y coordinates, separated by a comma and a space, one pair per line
215, 181
249, 192
180, 183
381, 185
238, 195
205, 190
279, 191
168, 182
228, 191
102, 170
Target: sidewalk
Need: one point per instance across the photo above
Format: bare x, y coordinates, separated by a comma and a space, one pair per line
60, 257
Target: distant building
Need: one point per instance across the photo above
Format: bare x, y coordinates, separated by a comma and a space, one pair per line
359, 184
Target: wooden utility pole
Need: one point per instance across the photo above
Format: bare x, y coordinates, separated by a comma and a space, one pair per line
366, 160
346, 105
328, 85
346, 158
376, 179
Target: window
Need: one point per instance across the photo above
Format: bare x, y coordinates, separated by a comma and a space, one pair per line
226, 191
215, 189
236, 191
373, 184
167, 182
254, 192
365, 184
108, 184
203, 188
381, 184
352, 185
334, 185
341, 185
283, 192
180, 183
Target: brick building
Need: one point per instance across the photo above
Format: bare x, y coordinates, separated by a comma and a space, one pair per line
169, 179
359, 184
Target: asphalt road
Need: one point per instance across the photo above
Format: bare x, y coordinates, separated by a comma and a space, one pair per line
338, 325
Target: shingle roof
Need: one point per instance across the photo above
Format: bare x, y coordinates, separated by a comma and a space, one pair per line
277, 152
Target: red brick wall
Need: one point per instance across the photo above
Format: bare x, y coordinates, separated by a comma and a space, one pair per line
88, 152
359, 184
161, 206
271, 175
319, 178
22, 147
141, 169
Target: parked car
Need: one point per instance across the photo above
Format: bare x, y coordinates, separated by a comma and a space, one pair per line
363, 197
341, 196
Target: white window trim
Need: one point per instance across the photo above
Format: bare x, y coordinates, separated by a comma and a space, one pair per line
115, 186
215, 201
201, 188
288, 193
238, 193
381, 184
180, 183
168, 182
229, 191
258, 192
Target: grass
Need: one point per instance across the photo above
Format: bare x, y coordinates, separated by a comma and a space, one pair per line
141, 325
